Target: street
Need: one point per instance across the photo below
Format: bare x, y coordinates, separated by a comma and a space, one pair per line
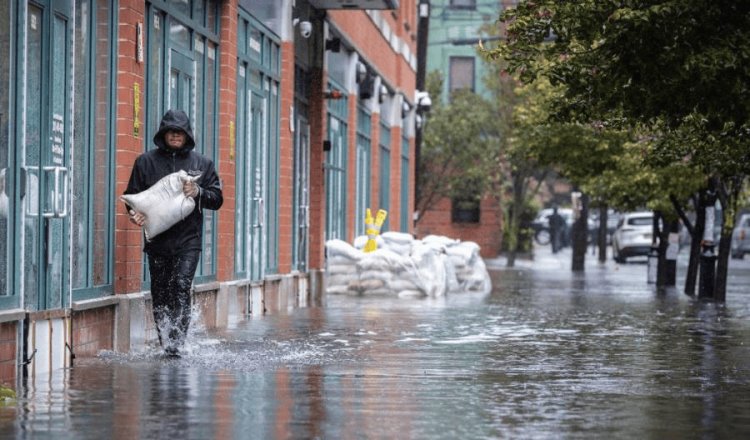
548, 354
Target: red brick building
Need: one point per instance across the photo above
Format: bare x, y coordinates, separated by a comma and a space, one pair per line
305, 106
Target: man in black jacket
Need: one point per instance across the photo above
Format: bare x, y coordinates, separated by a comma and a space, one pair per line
173, 255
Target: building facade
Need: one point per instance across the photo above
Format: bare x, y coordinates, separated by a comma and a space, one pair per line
306, 107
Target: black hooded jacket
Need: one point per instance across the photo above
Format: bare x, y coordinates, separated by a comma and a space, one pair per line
151, 166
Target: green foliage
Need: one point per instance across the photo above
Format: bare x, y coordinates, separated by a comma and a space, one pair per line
456, 158
678, 68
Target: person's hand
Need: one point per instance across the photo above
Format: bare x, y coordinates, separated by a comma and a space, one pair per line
136, 218
190, 189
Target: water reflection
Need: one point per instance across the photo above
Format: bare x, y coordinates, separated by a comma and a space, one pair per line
547, 354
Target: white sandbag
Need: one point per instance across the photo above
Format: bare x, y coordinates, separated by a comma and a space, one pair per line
383, 275
383, 259
399, 284
398, 242
164, 204
466, 251
439, 240
340, 248
340, 290
341, 269
338, 280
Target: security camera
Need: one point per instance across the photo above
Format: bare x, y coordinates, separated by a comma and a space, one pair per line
305, 29
423, 101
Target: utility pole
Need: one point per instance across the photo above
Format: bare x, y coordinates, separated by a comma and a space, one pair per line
423, 27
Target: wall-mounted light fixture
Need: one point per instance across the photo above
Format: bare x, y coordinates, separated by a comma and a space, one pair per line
361, 72
383, 93
405, 109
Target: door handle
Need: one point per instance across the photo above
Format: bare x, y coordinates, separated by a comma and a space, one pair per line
258, 219
59, 192
262, 211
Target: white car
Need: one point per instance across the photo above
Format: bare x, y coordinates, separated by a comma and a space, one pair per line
632, 236
741, 237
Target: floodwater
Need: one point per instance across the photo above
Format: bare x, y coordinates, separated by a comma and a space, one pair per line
548, 354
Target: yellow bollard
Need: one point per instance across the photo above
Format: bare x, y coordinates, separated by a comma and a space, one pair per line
372, 228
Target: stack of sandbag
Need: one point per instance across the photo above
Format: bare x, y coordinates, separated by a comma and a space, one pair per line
386, 272
470, 270
351, 271
398, 242
341, 266
404, 266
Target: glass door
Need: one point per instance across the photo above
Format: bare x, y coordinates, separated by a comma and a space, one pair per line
181, 73
43, 166
301, 207
257, 187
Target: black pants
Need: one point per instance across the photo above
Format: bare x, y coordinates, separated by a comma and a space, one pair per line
171, 280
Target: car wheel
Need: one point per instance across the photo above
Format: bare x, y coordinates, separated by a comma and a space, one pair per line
542, 237
616, 255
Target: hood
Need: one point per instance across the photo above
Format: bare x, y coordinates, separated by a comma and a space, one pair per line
174, 119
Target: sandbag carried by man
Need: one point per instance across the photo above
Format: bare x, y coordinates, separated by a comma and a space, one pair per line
173, 254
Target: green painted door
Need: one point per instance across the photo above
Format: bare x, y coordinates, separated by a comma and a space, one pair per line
42, 167
257, 187
301, 206
181, 82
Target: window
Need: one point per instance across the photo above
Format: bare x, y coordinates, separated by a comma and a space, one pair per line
461, 75
363, 168
5, 103
466, 199
92, 219
463, 4
465, 209
336, 165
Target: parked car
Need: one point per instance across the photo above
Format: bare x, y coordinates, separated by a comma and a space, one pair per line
741, 237
633, 236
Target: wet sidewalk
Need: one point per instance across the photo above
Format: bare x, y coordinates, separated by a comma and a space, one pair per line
548, 354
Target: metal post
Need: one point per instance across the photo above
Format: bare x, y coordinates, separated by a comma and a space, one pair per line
708, 256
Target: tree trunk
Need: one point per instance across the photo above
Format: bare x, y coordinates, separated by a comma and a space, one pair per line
663, 241
514, 220
602, 233
722, 266
691, 277
580, 236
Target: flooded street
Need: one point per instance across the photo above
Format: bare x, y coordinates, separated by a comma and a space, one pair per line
548, 354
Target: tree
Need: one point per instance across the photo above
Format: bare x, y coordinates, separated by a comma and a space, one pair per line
453, 159
676, 68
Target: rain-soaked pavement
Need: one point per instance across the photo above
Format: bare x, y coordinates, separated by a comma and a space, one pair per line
548, 354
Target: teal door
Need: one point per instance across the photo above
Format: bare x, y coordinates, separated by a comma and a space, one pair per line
42, 167
257, 187
301, 206
181, 82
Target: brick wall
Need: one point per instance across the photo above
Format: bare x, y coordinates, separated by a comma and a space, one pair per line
487, 233
93, 331
286, 158
128, 255
226, 165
